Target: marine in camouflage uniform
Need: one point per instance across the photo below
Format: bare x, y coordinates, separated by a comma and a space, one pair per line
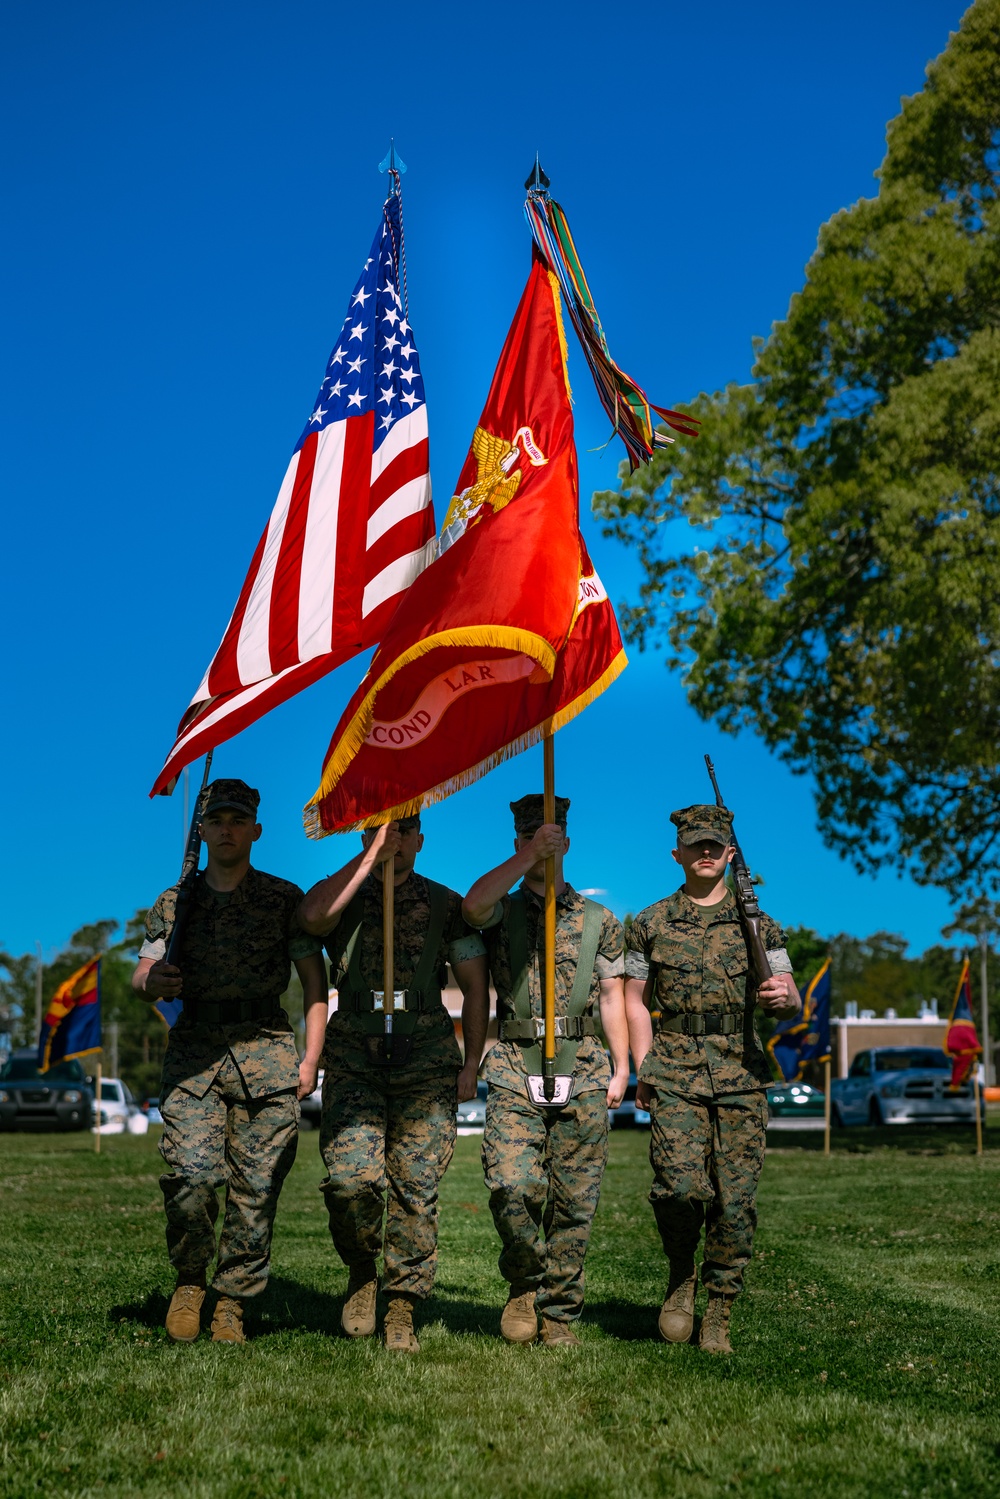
705, 1072
389, 1112
231, 1071
544, 1164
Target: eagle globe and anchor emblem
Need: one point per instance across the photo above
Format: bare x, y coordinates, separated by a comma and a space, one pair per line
499, 470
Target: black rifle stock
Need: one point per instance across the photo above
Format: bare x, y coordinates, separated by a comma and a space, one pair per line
189, 873
746, 900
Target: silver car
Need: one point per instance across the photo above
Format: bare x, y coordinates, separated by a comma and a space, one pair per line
902, 1085
472, 1112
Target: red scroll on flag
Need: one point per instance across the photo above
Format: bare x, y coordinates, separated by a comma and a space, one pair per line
509, 630
962, 1041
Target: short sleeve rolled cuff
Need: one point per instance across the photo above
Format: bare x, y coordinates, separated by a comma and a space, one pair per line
779, 960
636, 966
609, 968
464, 948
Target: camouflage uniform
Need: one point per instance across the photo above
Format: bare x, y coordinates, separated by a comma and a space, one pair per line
230, 1116
709, 1111
543, 1166
391, 1130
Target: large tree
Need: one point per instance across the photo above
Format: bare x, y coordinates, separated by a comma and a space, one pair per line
844, 602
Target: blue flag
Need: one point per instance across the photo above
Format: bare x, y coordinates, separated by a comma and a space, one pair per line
807, 1038
169, 1011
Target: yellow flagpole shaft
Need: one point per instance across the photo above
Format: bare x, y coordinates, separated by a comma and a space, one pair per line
979, 1120
826, 1107
549, 815
389, 939
97, 1111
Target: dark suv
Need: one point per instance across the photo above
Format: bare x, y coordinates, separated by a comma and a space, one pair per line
57, 1099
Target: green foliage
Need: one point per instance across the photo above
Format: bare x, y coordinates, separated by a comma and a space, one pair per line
864, 1360
840, 598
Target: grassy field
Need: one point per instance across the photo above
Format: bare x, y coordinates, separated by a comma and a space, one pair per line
866, 1364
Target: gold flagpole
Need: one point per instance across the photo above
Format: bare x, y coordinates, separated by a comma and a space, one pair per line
826, 1107
97, 1108
389, 948
549, 815
979, 1121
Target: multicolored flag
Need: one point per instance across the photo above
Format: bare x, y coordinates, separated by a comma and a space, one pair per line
509, 631
961, 1040
806, 1038
169, 1011
351, 528
72, 1024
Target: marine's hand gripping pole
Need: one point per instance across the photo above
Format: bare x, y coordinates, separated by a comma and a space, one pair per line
549, 816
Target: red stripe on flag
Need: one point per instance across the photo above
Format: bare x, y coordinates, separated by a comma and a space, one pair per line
411, 463
283, 618
223, 675
405, 536
352, 532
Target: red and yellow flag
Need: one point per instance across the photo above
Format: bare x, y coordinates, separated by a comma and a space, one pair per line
72, 1023
962, 1041
509, 630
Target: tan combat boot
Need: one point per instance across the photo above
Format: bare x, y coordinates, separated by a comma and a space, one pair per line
676, 1321
227, 1324
714, 1335
358, 1315
398, 1330
558, 1334
518, 1322
184, 1313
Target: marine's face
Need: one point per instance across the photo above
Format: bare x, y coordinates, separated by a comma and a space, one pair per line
706, 860
537, 871
229, 835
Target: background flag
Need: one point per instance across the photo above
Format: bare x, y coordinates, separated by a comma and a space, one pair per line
72, 1024
806, 1038
508, 630
351, 528
169, 1011
961, 1039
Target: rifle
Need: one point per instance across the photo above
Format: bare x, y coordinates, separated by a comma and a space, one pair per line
746, 900
189, 873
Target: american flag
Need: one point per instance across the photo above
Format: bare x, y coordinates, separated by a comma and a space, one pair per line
351, 528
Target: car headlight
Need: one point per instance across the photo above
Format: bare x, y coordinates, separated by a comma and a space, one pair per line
4, 1096
73, 1096
891, 1090
777, 1097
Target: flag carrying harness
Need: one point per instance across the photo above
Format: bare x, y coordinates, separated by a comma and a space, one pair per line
424, 989
574, 1025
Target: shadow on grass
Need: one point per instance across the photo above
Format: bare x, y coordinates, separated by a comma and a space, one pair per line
150, 1312
911, 1139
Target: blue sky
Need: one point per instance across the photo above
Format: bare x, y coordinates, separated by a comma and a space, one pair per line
191, 191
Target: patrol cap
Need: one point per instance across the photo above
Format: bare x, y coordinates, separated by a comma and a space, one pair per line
236, 795
703, 822
529, 813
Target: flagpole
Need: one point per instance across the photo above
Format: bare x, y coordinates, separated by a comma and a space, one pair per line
826, 1106
549, 815
97, 1108
388, 948
979, 1121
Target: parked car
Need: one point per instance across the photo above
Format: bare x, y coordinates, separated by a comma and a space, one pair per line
119, 1112
57, 1099
151, 1109
472, 1113
795, 1101
902, 1085
627, 1115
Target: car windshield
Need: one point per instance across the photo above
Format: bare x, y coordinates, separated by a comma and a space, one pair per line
23, 1070
910, 1059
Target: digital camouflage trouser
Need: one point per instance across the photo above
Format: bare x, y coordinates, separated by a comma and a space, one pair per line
543, 1169
246, 1145
386, 1141
707, 1155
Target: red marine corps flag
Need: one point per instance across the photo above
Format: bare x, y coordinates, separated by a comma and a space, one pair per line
509, 633
961, 1041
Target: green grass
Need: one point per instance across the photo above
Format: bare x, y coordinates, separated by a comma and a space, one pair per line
866, 1363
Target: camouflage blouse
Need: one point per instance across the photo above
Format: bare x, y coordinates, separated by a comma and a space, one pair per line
504, 1066
701, 967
